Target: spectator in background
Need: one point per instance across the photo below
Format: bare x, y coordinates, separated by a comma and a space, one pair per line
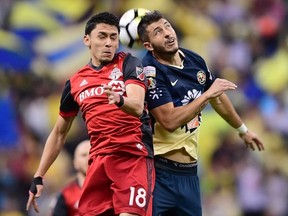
68, 200
250, 187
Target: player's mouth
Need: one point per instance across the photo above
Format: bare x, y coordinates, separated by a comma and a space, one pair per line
107, 53
170, 41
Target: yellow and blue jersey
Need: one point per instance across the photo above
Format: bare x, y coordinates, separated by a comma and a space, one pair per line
179, 85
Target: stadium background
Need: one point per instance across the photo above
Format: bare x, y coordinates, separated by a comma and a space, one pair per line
244, 41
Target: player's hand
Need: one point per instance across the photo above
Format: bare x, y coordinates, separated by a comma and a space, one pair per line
113, 97
252, 141
219, 86
35, 192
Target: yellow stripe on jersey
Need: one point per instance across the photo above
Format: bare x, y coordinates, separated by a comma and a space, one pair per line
165, 141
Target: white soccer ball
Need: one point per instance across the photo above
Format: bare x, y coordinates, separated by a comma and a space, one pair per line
128, 26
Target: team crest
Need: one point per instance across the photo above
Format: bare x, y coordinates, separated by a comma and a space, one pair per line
201, 77
117, 86
115, 74
140, 73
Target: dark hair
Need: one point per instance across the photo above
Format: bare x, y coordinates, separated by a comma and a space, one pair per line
146, 20
104, 17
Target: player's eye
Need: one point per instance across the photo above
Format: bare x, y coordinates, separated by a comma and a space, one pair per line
101, 36
158, 31
114, 37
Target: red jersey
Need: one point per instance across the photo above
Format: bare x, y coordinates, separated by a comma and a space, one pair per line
110, 129
67, 202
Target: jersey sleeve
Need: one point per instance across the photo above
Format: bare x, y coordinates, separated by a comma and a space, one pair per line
158, 93
210, 76
133, 71
210, 79
60, 208
68, 107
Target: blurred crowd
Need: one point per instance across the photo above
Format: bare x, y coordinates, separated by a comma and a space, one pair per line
244, 41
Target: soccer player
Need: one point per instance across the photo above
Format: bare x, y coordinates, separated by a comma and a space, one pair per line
109, 91
179, 87
68, 200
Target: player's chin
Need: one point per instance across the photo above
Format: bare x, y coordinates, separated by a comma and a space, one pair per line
172, 49
107, 59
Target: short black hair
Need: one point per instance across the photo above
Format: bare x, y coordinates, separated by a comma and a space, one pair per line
104, 17
146, 20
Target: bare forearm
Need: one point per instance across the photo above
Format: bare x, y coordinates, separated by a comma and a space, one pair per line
51, 151
133, 106
185, 114
53, 145
172, 117
223, 106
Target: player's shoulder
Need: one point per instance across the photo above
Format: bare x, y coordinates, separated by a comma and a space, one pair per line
190, 53
148, 57
131, 60
80, 72
122, 54
126, 55
193, 56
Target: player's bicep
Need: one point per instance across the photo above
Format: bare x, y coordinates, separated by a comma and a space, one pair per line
135, 91
64, 124
162, 113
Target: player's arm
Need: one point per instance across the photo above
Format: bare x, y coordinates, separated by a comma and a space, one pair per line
135, 85
55, 141
52, 148
54, 144
132, 103
171, 117
223, 106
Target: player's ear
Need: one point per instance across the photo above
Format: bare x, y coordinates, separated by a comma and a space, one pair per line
148, 46
86, 40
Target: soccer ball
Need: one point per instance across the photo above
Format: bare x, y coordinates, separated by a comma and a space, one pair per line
128, 26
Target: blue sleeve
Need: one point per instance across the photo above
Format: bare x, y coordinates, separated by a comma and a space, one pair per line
157, 93
210, 76
210, 79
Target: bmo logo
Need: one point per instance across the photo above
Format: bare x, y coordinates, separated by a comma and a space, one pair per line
91, 93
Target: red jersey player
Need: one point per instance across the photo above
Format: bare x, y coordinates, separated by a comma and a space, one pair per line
68, 200
110, 92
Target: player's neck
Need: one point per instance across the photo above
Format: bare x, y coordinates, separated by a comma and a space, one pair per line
169, 58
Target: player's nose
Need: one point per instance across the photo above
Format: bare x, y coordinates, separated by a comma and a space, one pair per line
167, 33
108, 42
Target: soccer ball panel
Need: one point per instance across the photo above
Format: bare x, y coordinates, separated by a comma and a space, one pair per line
128, 26
132, 28
124, 36
127, 17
